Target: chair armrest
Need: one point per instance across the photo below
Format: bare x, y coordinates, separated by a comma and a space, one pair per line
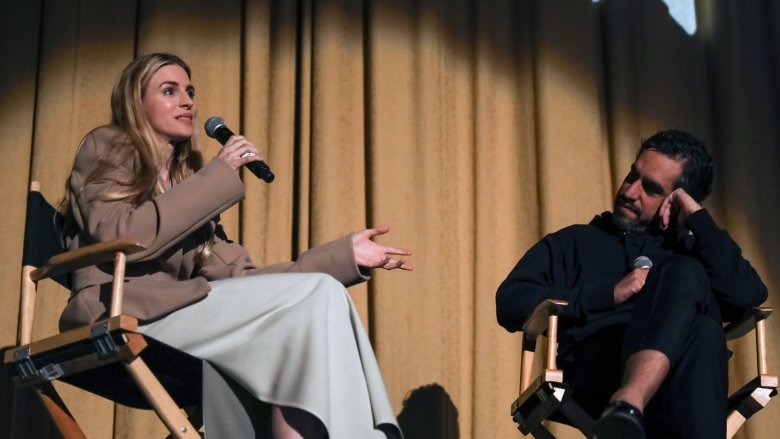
83, 257
73, 336
544, 315
746, 323
536, 324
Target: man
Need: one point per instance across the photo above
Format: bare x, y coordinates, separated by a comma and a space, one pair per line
658, 328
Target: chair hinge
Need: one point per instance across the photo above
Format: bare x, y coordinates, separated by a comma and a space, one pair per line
101, 338
24, 364
51, 371
27, 371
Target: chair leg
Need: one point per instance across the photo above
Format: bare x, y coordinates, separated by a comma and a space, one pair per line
540, 432
59, 413
195, 416
579, 418
749, 406
734, 423
170, 414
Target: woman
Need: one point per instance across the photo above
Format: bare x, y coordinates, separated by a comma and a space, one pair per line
285, 338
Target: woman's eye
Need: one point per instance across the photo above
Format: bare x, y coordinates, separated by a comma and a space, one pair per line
191, 93
168, 91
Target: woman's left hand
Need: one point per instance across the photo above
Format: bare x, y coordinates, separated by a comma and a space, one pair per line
370, 254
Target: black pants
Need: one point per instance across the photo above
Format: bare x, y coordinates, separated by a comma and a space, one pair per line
675, 313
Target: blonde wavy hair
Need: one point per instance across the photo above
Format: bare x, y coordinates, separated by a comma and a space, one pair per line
127, 114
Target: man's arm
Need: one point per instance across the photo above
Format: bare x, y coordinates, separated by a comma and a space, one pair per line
542, 274
734, 281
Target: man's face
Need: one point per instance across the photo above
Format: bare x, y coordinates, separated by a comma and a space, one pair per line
651, 179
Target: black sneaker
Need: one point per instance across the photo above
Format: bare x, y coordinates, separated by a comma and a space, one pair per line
620, 420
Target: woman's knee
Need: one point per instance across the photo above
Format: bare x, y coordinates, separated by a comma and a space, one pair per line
327, 282
324, 287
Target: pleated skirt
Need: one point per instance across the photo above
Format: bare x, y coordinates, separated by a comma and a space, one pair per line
291, 340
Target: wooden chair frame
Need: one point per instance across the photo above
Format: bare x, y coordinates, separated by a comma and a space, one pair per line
115, 339
548, 393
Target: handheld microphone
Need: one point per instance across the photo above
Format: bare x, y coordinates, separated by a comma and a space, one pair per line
216, 129
643, 262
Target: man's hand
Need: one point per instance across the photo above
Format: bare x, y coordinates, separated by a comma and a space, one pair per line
369, 254
630, 284
677, 206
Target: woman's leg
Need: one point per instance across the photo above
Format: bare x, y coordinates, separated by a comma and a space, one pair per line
290, 340
292, 423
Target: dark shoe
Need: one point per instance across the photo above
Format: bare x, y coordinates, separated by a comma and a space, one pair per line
620, 420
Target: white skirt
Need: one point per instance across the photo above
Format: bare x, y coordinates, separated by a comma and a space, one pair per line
291, 340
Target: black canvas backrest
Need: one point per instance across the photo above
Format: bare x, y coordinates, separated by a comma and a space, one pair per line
42, 233
180, 373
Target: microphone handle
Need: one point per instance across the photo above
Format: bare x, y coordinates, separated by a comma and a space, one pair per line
261, 170
222, 134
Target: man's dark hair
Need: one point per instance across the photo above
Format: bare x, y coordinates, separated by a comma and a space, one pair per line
697, 172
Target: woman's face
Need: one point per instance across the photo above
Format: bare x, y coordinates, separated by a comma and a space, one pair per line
169, 105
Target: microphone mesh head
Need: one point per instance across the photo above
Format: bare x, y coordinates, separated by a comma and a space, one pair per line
643, 262
212, 124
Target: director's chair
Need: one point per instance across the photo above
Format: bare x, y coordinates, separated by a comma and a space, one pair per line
109, 358
548, 396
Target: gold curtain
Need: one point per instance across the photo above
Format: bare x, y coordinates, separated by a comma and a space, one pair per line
471, 127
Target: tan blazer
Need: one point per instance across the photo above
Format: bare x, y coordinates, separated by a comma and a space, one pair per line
165, 277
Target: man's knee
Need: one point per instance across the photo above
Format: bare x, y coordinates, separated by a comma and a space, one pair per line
683, 267
708, 341
683, 274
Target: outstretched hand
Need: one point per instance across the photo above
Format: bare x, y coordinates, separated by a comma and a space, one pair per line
370, 254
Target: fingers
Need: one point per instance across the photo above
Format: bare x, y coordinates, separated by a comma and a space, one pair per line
639, 276
384, 259
371, 254
665, 211
396, 251
238, 151
392, 264
677, 207
380, 230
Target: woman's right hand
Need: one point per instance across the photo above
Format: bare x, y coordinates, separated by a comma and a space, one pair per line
238, 151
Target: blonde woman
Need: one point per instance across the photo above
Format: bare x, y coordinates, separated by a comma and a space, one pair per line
285, 335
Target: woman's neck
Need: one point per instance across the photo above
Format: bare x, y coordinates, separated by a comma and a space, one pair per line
167, 156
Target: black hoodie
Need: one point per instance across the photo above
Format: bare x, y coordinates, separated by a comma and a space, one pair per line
582, 263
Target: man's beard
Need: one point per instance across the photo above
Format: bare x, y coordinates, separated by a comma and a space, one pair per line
628, 225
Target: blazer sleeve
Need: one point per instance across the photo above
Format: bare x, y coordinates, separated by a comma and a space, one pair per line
335, 258
158, 223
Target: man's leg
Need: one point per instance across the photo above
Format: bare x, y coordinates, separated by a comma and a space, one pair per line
644, 373
692, 401
663, 328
